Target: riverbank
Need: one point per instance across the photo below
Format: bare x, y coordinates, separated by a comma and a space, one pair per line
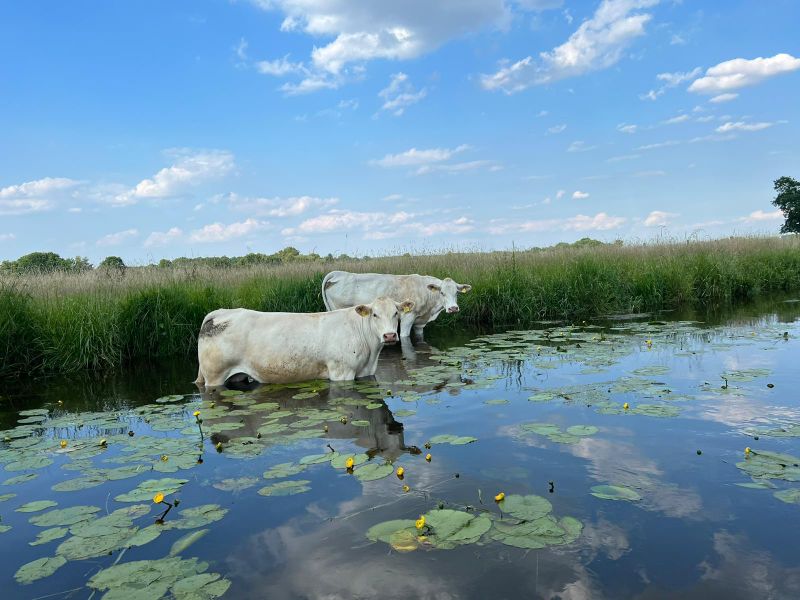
66, 322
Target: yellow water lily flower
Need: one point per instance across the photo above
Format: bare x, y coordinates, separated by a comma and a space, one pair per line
219, 446
649, 342
400, 471
158, 498
196, 413
626, 406
406, 488
428, 457
420, 523
500, 497
349, 462
63, 443
103, 442
164, 458
747, 450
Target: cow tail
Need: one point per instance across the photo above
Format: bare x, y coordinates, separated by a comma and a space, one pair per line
325, 281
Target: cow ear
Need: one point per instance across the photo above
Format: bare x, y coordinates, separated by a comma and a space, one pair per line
364, 311
406, 306
464, 287
434, 288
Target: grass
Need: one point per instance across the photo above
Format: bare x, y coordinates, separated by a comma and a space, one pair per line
69, 322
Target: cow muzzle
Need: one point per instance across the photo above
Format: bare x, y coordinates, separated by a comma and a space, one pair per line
452, 309
389, 338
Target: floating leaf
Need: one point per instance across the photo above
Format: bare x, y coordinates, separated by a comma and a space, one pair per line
582, 430
236, 485
525, 508
371, 472
615, 492
314, 459
789, 496
64, 516
36, 506
199, 516
187, 540
284, 470
39, 569
286, 488
49, 535
339, 461
169, 399
383, 531
454, 527
146, 489
495, 402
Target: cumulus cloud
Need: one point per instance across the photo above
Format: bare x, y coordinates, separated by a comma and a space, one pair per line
659, 145
724, 98
189, 169
669, 80
218, 232
676, 119
115, 239
400, 94
579, 146
414, 157
742, 126
627, 128
579, 195
622, 157
759, 216
276, 207
7, 237
458, 167
741, 72
598, 43
162, 238
599, 222
343, 220
34, 196
279, 67
355, 33
659, 218
556, 128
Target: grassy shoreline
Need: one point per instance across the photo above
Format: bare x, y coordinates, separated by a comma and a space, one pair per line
70, 322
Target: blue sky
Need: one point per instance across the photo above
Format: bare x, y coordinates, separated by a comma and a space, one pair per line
189, 128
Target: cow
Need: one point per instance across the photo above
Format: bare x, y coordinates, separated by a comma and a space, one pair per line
430, 295
339, 345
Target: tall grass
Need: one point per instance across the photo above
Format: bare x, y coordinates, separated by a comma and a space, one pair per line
69, 322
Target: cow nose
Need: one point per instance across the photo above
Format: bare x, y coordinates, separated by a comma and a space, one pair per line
453, 309
389, 337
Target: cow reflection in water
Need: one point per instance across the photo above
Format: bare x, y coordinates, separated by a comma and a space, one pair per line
383, 436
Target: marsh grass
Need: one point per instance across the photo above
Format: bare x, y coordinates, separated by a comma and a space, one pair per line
66, 322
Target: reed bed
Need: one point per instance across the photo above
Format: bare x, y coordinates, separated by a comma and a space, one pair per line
67, 322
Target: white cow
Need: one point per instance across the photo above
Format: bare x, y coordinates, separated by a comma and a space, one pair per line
430, 295
287, 347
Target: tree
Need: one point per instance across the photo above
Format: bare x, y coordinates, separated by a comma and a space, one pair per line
112, 263
788, 200
41, 262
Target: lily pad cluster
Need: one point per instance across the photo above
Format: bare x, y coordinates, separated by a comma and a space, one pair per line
572, 434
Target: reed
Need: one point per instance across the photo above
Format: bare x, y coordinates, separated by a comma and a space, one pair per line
66, 322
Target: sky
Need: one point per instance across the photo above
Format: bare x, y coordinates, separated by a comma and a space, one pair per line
154, 129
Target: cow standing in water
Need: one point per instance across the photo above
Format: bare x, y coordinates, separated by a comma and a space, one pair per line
429, 295
286, 347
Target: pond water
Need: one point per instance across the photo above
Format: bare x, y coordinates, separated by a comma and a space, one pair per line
618, 448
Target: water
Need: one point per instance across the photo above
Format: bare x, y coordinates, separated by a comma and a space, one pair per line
692, 532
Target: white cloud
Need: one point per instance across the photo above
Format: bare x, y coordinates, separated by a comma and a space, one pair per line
189, 169
653, 173
115, 239
659, 145
279, 67
7, 237
344, 220
724, 98
455, 227
379, 29
458, 167
162, 238
34, 196
414, 157
556, 129
217, 232
579, 146
670, 80
676, 119
659, 218
560, 194
626, 128
400, 94
741, 72
579, 195
599, 222
542, 113
622, 157
310, 85
598, 43
760, 216
278, 207
742, 126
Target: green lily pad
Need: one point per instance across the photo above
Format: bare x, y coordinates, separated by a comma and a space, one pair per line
64, 516
187, 540
495, 402
284, 470
525, 508
20, 479
49, 535
360, 423
39, 569
236, 485
198, 516
371, 472
582, 430
383, 531
286, 488
615, 492
450, 528
655, 410
150, 487
789, 496
36, 506
315, 459
169, 399
339, 461
448, 438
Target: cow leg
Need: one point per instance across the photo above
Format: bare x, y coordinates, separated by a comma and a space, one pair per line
419, 331
406, 323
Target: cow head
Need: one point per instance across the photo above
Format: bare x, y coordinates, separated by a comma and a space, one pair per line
447, 293
384, 317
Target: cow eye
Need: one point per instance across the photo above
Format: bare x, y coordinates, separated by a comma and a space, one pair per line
374, 315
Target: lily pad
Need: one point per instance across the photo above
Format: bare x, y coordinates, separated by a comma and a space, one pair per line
49, 535
340, 461
187, 540
450, 528
198, 516
65, 516
284, 470
236, 485
148, 488
39, 569
286, 488
383, 531
371, 472
789, 496
525, 508
36, 506
615, 492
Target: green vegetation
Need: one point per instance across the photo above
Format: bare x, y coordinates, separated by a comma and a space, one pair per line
788, 200
66, 321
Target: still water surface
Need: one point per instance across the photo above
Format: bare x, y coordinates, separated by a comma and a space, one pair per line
270, 516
